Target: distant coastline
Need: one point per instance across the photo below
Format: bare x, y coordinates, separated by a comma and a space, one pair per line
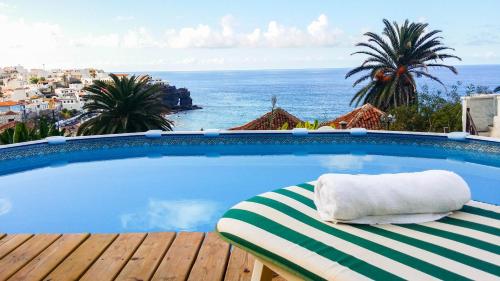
137, 72
232, 98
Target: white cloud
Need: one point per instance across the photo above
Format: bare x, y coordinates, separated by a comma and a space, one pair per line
182, 215
322, 33
42, 35
485, 55
200, 36
5, 6
19, 33
227, 23
317, 34
139, 38
91, 40
37, 43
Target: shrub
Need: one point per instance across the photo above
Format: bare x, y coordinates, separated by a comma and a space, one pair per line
434, 111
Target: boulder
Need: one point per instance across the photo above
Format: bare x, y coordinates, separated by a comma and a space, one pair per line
177, 99
185, 100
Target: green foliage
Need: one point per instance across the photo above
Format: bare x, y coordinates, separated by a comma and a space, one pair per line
435, 111
66, 114
394, 59
285, 126
124, 105
308, 125
497, 89
478, 89
22, 132
34, 80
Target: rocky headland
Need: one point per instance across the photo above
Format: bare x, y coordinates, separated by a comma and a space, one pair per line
177, 99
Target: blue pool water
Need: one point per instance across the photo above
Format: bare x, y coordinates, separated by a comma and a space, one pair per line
167, 191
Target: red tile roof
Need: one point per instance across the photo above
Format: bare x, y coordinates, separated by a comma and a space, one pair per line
8, 103
366, 116
271, 121
10, 113
7, 125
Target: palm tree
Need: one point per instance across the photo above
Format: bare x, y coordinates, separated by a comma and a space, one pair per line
394, 59
124, 105
497, 89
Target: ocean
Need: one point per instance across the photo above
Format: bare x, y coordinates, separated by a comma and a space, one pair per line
233, 98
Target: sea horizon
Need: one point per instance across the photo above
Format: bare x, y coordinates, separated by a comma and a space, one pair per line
269, 69
231, 98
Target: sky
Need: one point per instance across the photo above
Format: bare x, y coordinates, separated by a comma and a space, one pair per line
183, 35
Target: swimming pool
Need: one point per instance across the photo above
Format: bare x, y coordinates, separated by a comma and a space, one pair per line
185, 181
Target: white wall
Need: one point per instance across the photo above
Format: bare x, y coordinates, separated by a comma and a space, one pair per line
482, 109
19, 94
496, 120
8, 118
76, 86
71, 104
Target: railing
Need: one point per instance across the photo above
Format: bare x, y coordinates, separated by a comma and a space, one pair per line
470, 127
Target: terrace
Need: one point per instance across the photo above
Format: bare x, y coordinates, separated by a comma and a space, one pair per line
131, 256
143, 255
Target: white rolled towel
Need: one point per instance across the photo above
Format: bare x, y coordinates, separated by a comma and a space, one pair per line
389, 198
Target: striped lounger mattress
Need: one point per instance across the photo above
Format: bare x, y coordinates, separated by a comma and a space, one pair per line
282, 228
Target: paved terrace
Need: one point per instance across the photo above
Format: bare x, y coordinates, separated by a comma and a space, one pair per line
128, 256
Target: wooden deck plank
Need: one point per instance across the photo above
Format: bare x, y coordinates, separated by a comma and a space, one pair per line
180, 257
12, 241
141, 256
109, 264
212, 259
148, 256
240, 266
47, 260
82, 258
23, 254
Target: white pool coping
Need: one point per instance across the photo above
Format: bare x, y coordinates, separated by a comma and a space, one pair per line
252, 132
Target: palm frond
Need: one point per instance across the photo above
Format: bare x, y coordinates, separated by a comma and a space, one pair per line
393, 57
126, 104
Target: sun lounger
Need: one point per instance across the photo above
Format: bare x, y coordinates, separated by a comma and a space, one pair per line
283, 231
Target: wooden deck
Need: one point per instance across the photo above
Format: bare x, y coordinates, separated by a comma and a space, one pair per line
129, 256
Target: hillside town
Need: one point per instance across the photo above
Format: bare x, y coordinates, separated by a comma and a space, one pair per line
58, 95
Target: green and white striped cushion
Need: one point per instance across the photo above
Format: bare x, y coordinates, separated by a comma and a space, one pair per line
283, 227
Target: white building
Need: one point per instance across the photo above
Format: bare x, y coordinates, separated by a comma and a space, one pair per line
10, 116
62, 92
102, 76
39, 73
36, 105
87, 81
6, 106
14, 83
76, 86
20, 94
15, 69
71, 103
484, 111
